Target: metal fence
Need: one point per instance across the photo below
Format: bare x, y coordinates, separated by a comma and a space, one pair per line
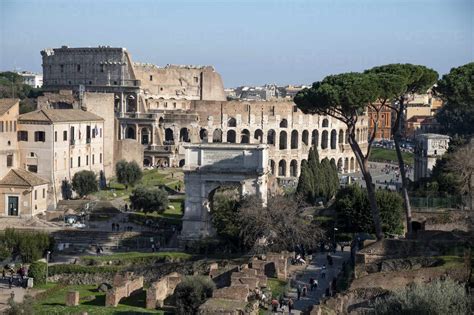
436, 203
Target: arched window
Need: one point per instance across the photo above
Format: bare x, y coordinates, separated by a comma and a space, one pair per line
258, 135
294, 139
333, 139
346, 165
231, 136
315, 138
272, 167
283, 140
305, 136
271, 137
341, 136
231, 122
130, 133
217, 136
339, 165
358, 135
352, 165
325, 123
245, 136
324, 140
282, 168
146, 137
169, 134
184, 135
284, 123
294, 168
203, 135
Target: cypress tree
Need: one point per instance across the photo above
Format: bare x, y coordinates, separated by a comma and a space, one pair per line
314, 167
305, 183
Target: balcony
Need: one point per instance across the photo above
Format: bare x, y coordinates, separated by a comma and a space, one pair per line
160, 148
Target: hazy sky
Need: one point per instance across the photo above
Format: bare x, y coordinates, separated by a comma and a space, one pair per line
248, 42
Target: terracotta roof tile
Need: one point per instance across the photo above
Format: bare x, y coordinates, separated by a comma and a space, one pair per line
59, 115
6, 104
20, 177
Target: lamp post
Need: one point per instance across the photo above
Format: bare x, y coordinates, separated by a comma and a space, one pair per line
47, 262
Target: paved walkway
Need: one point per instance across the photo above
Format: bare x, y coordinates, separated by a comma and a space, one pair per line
313, 270
5, 294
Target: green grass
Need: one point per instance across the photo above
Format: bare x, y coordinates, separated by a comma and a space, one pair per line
135, 256
277, 286
385, 155
91, 301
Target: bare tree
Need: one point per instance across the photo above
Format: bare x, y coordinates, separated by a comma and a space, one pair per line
462, 163
278, 226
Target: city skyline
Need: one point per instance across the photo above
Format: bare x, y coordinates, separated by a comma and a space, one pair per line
248, 43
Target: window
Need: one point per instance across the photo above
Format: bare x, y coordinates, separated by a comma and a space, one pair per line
90, 82
36, 194
22, 135
9, 160
78, 68
14, 126
151, 78
87, 160
65, 135
32, 168
70, 163
93, 159
101, 68
78, 161
40, 136
100, 130
55, 136
100, 158
196, 79
44, 193
1, 126
32, 154
62, 68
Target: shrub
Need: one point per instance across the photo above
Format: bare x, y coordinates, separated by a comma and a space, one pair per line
438, 297
128, 173
78, 269
84, 183
29, 246
149, 199
37, 271
191, 293
26, 307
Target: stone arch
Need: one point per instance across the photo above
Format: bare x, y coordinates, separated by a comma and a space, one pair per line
147, 161
346, 165
258, 135
315, 138
325, 123
161, 121
333, 139
282, 168
294, 168
352, 167
271, 137
181, 162
340, 165
341, 136
169, 134
272, 167
304, 137
284, 123
324, 140
294, 139
231, 136
131, 104
245, 136
146, 135
217, 136
333, 160
283, 140
231, 122
184, 135
203, 135
130, 133
347, 136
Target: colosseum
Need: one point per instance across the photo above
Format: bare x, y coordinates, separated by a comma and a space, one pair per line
163, 108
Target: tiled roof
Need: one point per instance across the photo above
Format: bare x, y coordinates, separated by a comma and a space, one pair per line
20, 177
59, 115
6, 104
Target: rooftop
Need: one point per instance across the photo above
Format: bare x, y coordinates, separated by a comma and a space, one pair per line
20, 177
6, 104
59, 115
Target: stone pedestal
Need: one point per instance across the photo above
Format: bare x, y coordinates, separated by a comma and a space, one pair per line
72, 298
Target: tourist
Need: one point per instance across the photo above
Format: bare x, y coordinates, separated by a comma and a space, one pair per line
275, 305
298, 292
10, 281
290, 305
311, 283
4, 274
323, 272
305, 290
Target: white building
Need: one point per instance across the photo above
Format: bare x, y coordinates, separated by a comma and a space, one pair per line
429, 148
34, 80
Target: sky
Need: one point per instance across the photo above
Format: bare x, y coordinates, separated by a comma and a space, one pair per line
248, 42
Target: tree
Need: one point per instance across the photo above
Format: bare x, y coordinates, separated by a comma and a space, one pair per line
225, 216
352, 210
37, 271
433, 298
128, 173
149, 199
66, 189
416, 79
461, 162
84, 183
279, 225
345, 97
457, 91
191, 293
305, 187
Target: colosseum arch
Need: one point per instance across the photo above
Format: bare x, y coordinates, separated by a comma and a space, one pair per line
272, 167
203, 135
169, 134
258, 135
184, 135
339, 165
333, 139
294, 139
271, 137
294, 168
346, 165
146, 135
284, 123
341, 136
231, 136
347, 137
217, 136
325, 123
130, 132
283, 140
304, 137
282, 168
315, 138
352, 167
245, 136
324, 140
231, 122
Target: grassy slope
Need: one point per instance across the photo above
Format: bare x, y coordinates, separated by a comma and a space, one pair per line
135, 255
384, 155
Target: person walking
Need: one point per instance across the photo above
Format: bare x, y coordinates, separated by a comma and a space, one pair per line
323, 272
290, 305
10, 281
305, 290
311, 283
298, 292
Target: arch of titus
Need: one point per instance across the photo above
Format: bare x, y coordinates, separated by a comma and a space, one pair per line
210, 166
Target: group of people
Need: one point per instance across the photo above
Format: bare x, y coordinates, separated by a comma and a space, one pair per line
282, 305
9, 273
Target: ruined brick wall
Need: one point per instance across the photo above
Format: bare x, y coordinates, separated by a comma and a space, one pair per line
235, 292
124, 286
160, 290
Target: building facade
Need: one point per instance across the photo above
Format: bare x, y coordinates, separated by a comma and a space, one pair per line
429, 148
35, 80
9, 156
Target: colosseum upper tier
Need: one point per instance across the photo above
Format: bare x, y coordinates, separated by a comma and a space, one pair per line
163, 108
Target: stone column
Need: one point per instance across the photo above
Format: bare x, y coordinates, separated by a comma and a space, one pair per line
153, 134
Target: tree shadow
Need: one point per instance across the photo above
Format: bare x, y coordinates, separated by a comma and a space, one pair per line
98, 301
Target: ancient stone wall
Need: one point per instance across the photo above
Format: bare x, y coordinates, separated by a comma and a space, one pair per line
129, 150
124, 286
160, 290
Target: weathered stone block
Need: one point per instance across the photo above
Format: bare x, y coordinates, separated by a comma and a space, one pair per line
236, 292
72, 298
